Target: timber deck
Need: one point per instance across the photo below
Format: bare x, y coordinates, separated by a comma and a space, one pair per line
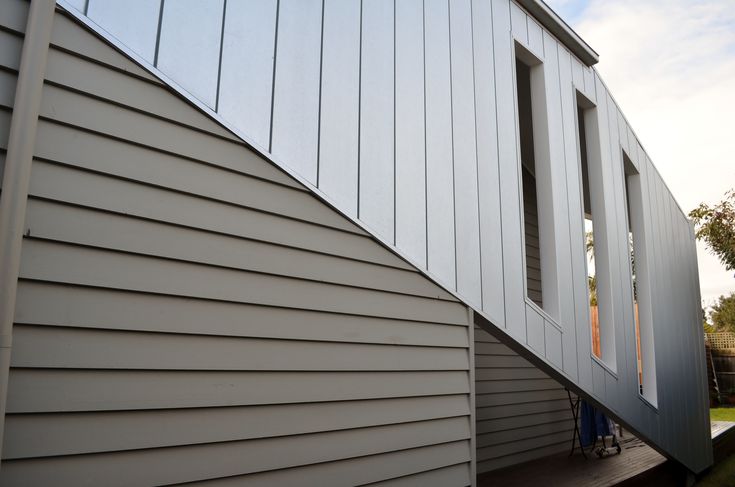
576, 471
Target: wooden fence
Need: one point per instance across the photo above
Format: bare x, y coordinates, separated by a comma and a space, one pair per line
720, 341
595, 323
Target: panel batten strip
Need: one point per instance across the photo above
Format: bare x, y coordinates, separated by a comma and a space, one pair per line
467, 228
219, 60
17, 175
440, 216
488, 180
376, 187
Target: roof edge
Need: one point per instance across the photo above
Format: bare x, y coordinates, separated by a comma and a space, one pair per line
556, 25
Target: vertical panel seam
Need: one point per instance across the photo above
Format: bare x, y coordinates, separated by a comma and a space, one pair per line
518, 163
395, 161
221, 48
497, 153
477, 158
451, 137
319, 109
273, 76
426, 145
359, 112
158, 33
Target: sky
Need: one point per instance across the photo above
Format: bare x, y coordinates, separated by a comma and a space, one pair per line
670, 65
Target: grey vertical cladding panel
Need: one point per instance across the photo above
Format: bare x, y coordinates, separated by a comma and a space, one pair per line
662, 331
518, 23
659, 330
577, 336
487, 164
684, 411
376, 192
410, 148
513, 275
623, 133
466, 209
653, 262
679, 323
667, 316
553, 338
560, 192
590, 83
538, 40
620, 269
535, 329
688, 324
598, 380
627, 383
699, 343
246, 73
577, 74
703, 403
692, 329
134, 22
192, 60
440, 215
295, 124
340, 103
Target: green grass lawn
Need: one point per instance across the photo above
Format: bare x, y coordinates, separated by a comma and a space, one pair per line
721, 475
722, 414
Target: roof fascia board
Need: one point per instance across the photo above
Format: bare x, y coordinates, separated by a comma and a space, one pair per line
556, 25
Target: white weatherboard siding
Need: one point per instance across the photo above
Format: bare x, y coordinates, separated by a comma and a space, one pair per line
466, 233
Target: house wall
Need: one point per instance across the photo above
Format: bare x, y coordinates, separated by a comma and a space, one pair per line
522, 413
403, 115
186, 311
409, 128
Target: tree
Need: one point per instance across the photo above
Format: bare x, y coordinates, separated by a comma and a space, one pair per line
715, 226
723, 313
589, 247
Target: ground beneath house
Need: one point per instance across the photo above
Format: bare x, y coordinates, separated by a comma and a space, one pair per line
637, 465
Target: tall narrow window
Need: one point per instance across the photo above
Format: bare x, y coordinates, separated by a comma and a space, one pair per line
646, 367
603, 332
589, 236
528, 173
541, 285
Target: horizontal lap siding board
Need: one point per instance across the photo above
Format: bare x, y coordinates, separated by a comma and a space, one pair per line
522, 414
187, 312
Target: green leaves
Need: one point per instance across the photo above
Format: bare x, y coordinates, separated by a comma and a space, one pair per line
722, 314
715, 226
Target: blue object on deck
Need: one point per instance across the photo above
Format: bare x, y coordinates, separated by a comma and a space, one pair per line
593, 423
